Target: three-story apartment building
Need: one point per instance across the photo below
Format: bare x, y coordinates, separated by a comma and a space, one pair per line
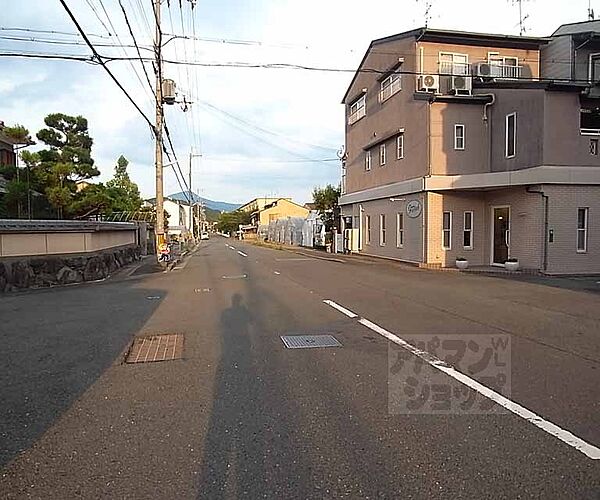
457, 145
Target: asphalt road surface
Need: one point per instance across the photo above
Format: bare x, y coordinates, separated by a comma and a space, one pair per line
445, 385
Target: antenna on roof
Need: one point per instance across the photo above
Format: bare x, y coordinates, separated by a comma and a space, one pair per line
427, 13
522, 18
590, 11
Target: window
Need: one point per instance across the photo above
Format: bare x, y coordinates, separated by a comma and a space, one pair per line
511, 135
594, 147
454, 64
589, 121
382, 155
399, 230
400, 147
447, 230
357, 109
594, 69
368, 161
459, 137
468, 231
382, 230
368, 229
389, 86
582, 229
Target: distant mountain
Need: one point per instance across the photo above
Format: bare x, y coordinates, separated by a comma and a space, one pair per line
220, 206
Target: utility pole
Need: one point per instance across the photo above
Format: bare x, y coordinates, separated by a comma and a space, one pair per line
191, 193
158, 153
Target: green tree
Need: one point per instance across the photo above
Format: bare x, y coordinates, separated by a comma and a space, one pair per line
19, 133
229, 222
326, 202
67, 159
124, 192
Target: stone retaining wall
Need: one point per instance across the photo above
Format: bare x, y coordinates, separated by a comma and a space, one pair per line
34, 272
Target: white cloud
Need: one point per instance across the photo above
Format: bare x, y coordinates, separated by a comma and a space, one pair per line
300, 107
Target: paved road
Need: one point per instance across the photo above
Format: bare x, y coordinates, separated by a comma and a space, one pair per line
242, 416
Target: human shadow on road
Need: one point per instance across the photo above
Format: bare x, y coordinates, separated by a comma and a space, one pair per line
234, 445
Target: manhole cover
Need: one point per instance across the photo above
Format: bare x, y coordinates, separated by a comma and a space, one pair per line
308, 341
153, 348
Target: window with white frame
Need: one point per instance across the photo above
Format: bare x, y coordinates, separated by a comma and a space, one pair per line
400, 146
368, 229
468, 230
357, 109
459, 137
368, 160
382, 154
389, 86
582, 229
447, 230
399, 230
382, 230
511, 135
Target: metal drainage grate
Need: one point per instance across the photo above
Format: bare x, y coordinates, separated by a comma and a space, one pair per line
308, 341
151, 348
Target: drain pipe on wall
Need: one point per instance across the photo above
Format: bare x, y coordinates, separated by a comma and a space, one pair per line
488, 125
545, 239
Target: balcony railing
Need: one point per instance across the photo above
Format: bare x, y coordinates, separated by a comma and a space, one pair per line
496, 69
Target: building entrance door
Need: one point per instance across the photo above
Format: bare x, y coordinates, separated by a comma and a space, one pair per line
500, 235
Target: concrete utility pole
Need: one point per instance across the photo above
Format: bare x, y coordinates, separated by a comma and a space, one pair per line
192, 202
160, 211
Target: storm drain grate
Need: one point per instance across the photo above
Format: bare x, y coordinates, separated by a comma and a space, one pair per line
151, 348
308, 341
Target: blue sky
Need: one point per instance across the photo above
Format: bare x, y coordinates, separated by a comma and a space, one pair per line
256, 129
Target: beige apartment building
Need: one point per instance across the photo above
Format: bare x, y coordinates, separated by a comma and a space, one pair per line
479, 146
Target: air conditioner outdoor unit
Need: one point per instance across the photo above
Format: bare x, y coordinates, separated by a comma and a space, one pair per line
429, 83
487, 70
462, 85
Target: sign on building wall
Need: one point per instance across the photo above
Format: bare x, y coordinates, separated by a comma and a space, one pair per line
413, 208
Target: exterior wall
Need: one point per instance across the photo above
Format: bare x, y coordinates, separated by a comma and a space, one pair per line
178, 222
582, 60
563, 142
412, 250
28, 244
7, 154
526, 225
445, 160
257, 204
529, 59
399, 111
284, 208
562, 219
556, 59
529, 106
457, 203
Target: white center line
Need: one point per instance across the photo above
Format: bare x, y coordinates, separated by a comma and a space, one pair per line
565, 436
341, 309
242, 253
276, 272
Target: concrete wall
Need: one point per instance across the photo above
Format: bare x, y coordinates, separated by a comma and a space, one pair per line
557, 58
45, 243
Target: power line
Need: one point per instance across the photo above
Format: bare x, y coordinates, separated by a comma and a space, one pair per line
67, 42
136, 45
89, 2
53, 32
98, 58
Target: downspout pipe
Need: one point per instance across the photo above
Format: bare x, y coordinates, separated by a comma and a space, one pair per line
545, 240
488, 125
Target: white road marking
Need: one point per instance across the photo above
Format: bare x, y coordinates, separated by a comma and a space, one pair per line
242, 253
241, 276
276, 272
552, 429
341, 309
